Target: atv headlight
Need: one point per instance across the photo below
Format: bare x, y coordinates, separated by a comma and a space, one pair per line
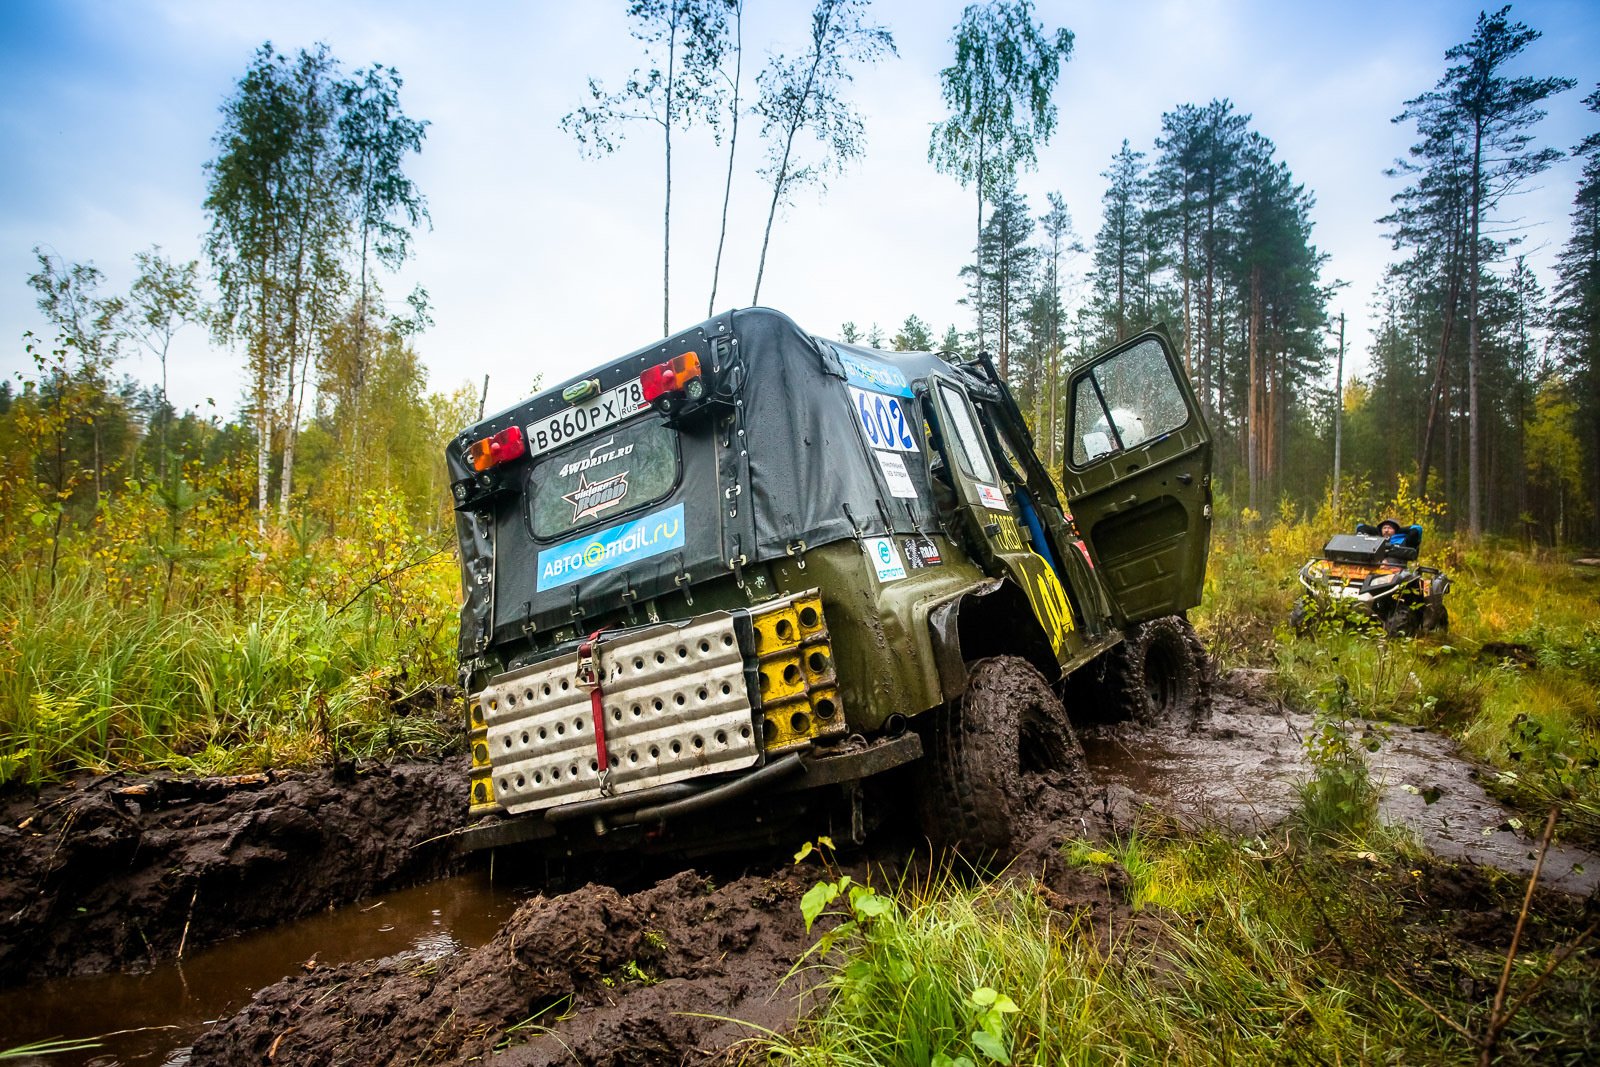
1378, 581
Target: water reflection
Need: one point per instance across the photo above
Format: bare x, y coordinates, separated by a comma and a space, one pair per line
152, 1018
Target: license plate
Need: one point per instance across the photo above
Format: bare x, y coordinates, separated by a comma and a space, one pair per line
611, 406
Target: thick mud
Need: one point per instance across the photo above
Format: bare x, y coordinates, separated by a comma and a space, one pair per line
147, 1019
1241, 768
678, 967
688, 970
121, 873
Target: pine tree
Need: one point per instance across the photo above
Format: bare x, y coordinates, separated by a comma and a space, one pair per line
1002, 278
1491, 113
1576, 311
1119, 245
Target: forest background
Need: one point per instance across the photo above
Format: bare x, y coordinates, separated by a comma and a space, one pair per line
193, 586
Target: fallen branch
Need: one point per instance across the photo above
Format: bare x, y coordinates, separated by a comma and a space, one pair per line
1497, 1021
385, 576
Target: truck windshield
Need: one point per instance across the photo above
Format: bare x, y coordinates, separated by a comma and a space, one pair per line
602, 477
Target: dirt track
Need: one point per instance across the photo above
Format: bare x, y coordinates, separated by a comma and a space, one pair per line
640, 971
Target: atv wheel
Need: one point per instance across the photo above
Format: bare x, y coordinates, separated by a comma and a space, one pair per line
1403, 620
1160, 674
1008, 724
1301, 615
1435, 618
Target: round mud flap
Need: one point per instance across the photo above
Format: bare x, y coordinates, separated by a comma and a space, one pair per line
1161, 674
1008, 725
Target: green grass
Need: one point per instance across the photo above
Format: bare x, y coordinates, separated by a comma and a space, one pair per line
1216, 950
1335, 940
88, 682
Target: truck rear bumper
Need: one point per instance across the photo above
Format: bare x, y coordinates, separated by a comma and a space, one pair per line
655, 806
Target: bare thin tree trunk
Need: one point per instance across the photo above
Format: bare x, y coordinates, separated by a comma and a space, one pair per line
666, 212
1474, 451
1254, 445
782, 177
733, 145
977, 248
1437, 394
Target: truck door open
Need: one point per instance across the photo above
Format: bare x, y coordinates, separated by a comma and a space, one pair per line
1137, 474
986, 511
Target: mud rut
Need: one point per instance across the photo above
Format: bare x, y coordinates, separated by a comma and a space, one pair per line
115, 873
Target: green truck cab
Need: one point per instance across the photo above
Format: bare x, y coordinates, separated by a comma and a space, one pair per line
722, 583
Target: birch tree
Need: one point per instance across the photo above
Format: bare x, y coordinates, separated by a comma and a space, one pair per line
685, 42
803, 94
998, 91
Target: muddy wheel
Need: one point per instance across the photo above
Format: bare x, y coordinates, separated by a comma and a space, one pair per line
1300, 616
1007, 725
1435, 618
1403, 620
1160, 673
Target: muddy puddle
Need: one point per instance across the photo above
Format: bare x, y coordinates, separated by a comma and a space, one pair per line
1241, 769
153, 1018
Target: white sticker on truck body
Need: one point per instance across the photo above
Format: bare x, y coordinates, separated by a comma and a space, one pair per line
895, 475
885, 558
883, 421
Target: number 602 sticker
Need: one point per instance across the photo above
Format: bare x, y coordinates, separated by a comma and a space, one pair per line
883, 420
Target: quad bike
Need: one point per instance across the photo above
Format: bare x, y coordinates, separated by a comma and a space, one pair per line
1368, 576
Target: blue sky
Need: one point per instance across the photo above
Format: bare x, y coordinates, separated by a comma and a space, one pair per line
542, 262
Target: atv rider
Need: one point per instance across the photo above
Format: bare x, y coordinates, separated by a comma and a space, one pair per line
1393, 533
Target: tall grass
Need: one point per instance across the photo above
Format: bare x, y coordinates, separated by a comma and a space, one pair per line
1234, 952
1335, 941
91, 682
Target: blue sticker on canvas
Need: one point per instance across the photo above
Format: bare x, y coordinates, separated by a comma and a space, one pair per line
870, 374
585, 557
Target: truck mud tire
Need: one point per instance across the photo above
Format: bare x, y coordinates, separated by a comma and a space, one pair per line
1008, 726
1160, 674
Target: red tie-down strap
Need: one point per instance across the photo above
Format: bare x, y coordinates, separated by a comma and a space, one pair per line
589, 677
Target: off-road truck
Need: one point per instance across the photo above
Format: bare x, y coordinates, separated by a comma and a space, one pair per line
720, 583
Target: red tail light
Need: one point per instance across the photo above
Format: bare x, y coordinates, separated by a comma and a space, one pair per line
501, 448
680, 374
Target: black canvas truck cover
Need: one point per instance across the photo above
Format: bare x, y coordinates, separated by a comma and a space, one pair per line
806, 442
